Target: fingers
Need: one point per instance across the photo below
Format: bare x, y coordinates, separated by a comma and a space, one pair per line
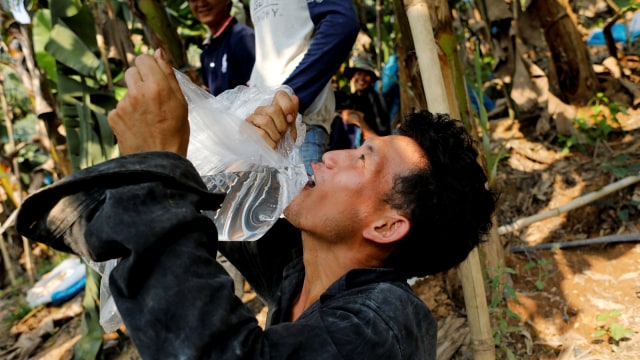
164, 66
270, 130
273, 120
159, 55
133, 79
289, 106
153, 114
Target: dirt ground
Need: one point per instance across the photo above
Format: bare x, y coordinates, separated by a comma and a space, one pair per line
557, 301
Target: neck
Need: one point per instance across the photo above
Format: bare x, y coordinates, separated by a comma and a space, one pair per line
219, 27
324, 263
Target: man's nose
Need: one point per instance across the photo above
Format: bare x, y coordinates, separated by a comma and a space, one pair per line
329, 159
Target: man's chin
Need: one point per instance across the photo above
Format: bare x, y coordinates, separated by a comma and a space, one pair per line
290, 213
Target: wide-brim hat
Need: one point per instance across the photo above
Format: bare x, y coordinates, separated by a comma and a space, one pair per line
361, 63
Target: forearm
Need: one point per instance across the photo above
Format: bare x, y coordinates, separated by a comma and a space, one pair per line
336, 28
175, 300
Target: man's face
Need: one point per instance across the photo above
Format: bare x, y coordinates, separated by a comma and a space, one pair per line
350, 186
361, 80
210, 12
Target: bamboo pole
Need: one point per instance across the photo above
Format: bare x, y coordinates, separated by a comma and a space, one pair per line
3, 248
573, 204
470, 270
475, 303
6, 258
491, 251
427, 53
412, 96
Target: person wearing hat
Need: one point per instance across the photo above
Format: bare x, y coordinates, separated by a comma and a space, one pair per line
365, 107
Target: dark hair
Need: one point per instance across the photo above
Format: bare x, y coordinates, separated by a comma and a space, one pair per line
447, 202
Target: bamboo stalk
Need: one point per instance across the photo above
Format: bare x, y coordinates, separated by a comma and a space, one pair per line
7, 260
573, 204
28, 260
427, 53
3, 248
476, 305
435, 91
9, 221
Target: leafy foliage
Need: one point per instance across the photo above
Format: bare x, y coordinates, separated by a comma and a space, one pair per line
499, 308
599, 125
541, 265
612, 329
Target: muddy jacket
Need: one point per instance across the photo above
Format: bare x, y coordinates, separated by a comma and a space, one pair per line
177, 303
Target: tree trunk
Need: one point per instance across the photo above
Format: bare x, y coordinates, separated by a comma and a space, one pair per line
576, 79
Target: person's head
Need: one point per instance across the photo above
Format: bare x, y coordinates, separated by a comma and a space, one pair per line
418, 197
447, 202
212, 13
361, 73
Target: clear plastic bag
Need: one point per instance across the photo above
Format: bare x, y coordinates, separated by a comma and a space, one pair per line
231, 158
109, 316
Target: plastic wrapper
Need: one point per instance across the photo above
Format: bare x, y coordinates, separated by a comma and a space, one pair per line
110, 319
231, 158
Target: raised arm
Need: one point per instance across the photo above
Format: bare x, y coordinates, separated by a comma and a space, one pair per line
336, 28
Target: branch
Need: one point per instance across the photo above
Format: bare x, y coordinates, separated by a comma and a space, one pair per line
576, 203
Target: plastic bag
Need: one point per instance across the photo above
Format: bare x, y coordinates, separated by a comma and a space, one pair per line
59, 284
231, 158
110, 319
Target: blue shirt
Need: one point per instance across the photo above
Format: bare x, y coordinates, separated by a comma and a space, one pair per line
227, 60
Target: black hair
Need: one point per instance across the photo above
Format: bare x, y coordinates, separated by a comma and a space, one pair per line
447, 202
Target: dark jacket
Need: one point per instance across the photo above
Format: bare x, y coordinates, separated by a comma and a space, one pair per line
149, 210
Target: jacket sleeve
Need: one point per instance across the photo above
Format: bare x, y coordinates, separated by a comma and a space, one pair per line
336, 28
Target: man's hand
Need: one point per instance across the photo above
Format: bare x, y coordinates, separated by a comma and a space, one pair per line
272, 120
153, 114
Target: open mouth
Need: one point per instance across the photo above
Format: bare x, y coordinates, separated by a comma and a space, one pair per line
311, 182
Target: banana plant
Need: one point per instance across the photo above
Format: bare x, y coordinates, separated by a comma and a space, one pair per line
65, 44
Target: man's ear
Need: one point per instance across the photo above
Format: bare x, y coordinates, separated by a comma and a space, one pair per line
387, 230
